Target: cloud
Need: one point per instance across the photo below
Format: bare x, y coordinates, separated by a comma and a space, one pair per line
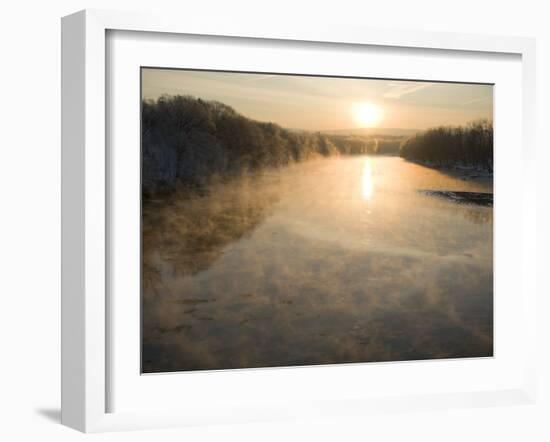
247, 78
477, 100
397, 90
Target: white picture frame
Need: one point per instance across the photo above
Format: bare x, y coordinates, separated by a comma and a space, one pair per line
86, 356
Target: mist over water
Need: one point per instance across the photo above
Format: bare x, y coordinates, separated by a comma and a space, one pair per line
330, 261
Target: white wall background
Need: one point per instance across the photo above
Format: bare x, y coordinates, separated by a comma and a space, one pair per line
30, 216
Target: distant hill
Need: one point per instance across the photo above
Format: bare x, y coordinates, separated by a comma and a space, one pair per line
374, 131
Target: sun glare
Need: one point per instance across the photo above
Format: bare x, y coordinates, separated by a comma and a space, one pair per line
367, 114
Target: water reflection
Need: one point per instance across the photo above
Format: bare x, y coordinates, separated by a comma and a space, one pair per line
286, 269
367, 180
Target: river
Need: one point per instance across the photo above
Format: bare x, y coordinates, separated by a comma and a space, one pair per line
337, 260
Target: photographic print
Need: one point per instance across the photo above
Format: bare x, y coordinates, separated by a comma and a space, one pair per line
294, 220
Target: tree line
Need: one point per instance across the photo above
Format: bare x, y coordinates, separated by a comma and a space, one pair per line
189, 140
448, 146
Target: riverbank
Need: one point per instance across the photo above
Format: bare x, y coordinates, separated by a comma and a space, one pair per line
465, 173
484, 199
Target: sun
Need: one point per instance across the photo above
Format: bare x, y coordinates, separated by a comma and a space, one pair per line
367, 114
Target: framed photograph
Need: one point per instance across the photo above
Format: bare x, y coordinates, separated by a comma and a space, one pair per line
263, 223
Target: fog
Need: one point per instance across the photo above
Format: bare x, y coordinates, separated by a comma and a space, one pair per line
334, 260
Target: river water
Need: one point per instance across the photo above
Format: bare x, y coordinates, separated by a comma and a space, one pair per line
337, 260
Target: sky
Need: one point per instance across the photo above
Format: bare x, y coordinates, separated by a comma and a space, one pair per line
328, 103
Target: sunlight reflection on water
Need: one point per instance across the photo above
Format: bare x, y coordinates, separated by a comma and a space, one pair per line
368, 183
